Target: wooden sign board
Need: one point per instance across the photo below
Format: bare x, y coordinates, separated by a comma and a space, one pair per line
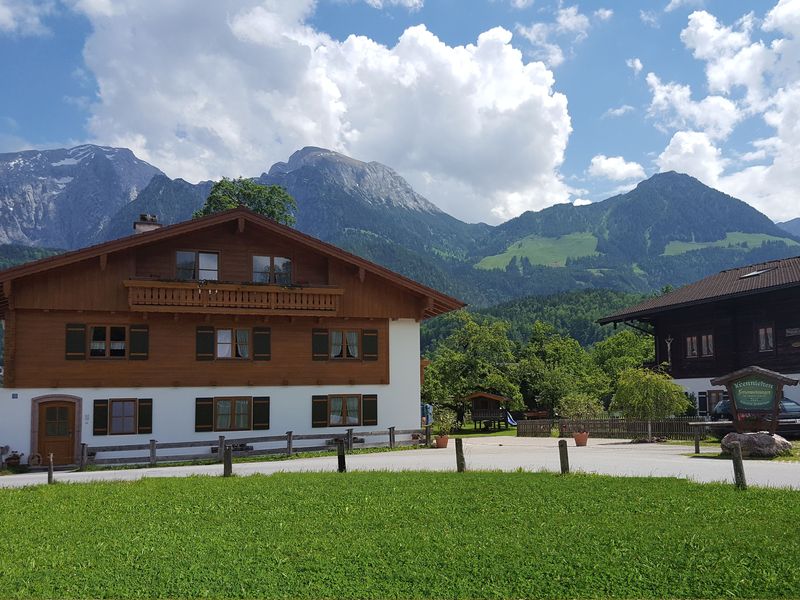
755, 395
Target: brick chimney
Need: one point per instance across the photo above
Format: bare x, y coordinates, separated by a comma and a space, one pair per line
146, 223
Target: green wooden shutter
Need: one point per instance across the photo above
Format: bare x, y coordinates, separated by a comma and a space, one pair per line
145, 420
262, 343
100, 418
140, 342
369, 409
369, 344
261, 412
204, 414
75, 342
319, 411
204, 343
319, 344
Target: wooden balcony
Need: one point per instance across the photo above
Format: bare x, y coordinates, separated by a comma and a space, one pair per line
211, 297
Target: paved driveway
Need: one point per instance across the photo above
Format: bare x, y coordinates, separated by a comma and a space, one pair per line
611, 457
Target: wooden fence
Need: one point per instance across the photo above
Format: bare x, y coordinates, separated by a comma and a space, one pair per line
675, 428
319, 441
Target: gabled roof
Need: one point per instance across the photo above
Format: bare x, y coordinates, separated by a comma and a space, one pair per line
733, 283
438, 302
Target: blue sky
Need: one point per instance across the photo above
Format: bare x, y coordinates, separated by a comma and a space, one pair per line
488, 107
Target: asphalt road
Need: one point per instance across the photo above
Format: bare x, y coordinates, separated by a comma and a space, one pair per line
610, 457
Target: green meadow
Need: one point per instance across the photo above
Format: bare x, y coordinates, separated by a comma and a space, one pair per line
399, 535
548, 251
732, 239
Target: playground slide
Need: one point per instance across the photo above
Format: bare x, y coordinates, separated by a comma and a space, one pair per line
510, 419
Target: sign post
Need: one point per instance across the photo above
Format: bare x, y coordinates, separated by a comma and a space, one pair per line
755, 395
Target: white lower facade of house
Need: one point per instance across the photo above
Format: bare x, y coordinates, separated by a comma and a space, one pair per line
706, 395
173, 408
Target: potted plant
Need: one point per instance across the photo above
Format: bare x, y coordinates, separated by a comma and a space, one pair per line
14, 458
580, 406
444, 421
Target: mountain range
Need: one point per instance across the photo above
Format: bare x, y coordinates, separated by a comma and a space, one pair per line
669, 230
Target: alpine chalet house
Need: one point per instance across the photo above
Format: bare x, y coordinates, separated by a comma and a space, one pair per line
228, 324
725, 322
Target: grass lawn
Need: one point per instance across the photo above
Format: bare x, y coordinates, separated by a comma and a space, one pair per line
399, 535
468, 432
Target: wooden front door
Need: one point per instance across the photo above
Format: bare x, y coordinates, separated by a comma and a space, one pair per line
57, 432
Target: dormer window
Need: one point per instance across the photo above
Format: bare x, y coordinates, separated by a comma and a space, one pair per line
192, 266
272, 269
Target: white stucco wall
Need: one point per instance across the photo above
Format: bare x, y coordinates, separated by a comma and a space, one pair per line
290, 406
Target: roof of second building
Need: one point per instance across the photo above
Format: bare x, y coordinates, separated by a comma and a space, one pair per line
732, 283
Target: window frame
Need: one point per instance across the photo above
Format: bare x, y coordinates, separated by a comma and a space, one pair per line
344, 397
763, 327
196, 272
694, 345
111, 402
702, 345
233, 331
344, 332
90, 327
233, 400
271, 274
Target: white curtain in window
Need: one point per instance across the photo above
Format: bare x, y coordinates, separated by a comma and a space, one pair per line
352, 410
242, 413
243, 343
223, 414
337, 417
224, 343
336, 344
352, 344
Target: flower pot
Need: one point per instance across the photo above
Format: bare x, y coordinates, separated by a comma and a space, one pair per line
580, 437
13, 461
441, 441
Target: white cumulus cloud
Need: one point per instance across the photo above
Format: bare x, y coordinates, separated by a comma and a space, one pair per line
409, 4
549, 39
604, 14
25, 17
692, 152
618, 112
615, 168
243, 84
635, 65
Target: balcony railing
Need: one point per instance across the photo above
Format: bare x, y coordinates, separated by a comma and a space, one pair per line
230, 298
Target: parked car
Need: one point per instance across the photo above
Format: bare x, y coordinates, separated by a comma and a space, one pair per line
788, 415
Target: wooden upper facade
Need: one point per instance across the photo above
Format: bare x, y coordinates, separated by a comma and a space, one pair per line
727, 322
82, 318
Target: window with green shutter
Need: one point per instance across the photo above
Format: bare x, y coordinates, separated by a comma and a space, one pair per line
319, 344
369, 344
140, 342
145, 415
100, 417
369, 409
262, 343
204, 343
75, 341
319, 411
204, 414
261, 412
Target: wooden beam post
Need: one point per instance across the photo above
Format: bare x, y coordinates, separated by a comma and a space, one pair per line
153, 457
84, 459
221, 449
427, 435
349, 440
563, 454
289, 442
340, 455
227, 465
391, 437
50, 479
738, 466
697, 441
461, 464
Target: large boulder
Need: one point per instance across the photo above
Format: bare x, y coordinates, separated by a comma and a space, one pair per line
757, 445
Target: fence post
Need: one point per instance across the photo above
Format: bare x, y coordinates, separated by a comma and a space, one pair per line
697, 441
153, 453
427, 435
289, 442
84, 460
340, 455
738, 466
461, 464
50, 479
563, 454
391, 437
349, 440
227, 466
221, 449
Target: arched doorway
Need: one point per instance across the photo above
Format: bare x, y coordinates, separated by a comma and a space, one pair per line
56, 428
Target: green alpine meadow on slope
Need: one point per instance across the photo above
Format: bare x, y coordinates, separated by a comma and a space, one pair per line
732, 240
548, 251
399, 535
